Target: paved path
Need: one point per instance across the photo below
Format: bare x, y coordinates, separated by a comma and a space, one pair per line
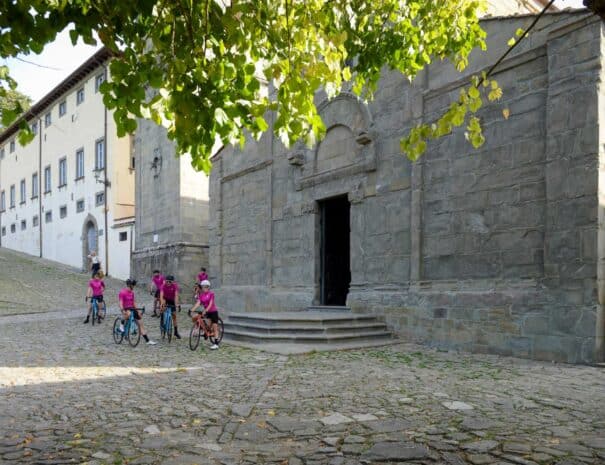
68, 394
30, 284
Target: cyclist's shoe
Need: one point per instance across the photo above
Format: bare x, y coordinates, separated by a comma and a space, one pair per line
176, 334
121, 330
214, 347
86, 320
99, 320
151, 343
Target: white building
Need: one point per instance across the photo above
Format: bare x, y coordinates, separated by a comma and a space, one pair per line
71, 190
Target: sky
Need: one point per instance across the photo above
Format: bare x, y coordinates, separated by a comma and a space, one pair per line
61, 58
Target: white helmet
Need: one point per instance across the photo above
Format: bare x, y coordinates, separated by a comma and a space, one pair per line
205, 282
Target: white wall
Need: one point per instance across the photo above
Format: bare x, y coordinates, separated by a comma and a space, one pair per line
79, 128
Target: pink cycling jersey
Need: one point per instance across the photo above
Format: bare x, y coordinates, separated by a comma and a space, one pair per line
202, 276
205, 298
170, 290
158, 281
126, 298
97, 287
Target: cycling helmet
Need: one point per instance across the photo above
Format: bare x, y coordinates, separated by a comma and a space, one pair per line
131, 282
205, 282
169, 278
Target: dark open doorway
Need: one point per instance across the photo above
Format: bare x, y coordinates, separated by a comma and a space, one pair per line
335, 275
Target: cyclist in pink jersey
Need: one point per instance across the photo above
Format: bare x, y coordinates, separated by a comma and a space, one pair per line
96, 286
209, 310
169, 295
202, 275
155, 286
127, 305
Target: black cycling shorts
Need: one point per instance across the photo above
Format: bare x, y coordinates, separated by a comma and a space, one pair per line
98, 298
212, 316
157, 294
136, 314
170, 303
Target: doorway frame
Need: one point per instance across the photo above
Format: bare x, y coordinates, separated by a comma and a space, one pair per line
85, 246
319, 245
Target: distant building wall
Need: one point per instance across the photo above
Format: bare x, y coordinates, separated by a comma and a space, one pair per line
172, 209
78, 122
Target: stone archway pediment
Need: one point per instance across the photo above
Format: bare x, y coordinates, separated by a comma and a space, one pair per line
348, 147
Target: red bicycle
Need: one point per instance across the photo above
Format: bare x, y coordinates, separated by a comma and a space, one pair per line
203, 327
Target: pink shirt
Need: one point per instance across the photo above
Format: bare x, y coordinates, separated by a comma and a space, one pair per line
170, 290
202, 276
205, 298
158, 281
126, 298
97, 286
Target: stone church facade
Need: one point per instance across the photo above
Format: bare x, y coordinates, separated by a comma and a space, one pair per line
496, 250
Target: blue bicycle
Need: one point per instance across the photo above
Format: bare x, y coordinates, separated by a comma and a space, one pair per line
131, 329
98, 310
166, 322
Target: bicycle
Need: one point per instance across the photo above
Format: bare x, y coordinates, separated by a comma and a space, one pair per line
97, 313
131, 329
166, 322
196, 292
202, 325
99, 309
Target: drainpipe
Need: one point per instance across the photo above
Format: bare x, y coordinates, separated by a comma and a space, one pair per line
40, 222
599, 349
105, 181
1, 213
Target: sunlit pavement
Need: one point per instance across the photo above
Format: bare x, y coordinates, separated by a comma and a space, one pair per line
69, 394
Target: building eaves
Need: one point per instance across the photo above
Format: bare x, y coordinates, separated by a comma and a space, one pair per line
63, 87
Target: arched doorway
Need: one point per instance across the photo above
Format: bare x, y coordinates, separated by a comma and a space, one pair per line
90, 240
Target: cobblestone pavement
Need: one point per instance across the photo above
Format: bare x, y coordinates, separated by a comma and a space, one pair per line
68, 394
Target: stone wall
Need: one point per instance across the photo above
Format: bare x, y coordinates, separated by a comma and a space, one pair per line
491, 250
171, 209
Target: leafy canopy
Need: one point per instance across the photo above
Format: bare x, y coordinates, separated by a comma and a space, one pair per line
210, 70
12, 104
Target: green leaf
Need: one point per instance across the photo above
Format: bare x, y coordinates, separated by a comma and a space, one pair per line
261, 123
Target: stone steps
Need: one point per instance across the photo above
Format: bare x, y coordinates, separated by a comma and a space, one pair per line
295, 332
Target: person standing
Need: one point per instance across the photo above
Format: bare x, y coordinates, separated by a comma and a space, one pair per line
127, 304
169, 296
95, 263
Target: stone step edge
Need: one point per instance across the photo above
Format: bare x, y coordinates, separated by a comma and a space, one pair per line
291, 338
325, 318
305, 328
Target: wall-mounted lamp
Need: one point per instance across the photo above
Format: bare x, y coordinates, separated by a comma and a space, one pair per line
156, 164
105, 182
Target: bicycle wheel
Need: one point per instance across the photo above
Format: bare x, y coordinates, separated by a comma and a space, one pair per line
168, 326
102, 310
95, 311
117, 334
221, 329
133, 334
194, 337
163, 325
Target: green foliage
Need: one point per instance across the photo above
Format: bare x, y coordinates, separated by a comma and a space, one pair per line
469, 102
210, 70
12, 103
